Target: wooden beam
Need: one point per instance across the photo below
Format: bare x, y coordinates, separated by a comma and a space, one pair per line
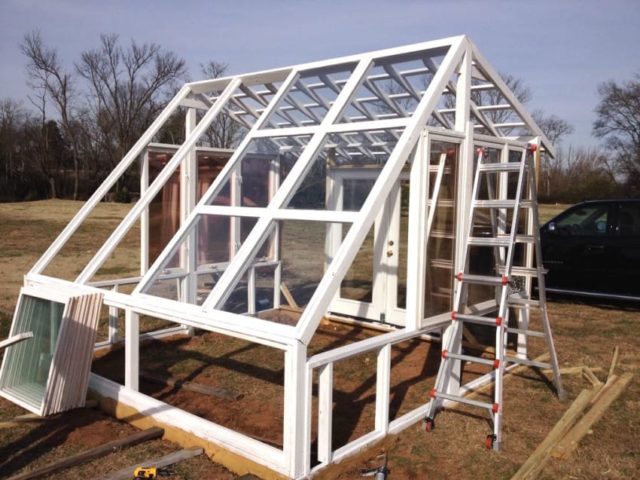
589, 375
288, 297
34, 418
175, 457
614, 361
570, 442
97, 452
538, 459
192, 386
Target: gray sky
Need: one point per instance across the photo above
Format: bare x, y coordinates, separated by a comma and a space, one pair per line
562, 48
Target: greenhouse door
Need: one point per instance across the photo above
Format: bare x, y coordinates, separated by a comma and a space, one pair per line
375, 285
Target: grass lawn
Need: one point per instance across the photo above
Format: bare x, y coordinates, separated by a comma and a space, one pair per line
585, 334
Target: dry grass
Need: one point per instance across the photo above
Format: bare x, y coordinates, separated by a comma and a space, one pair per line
585, 334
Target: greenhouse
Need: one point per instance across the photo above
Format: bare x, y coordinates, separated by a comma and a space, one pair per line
392, 191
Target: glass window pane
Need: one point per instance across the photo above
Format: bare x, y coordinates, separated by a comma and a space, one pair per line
281, 277
393, 86
310, 97
441, 241
27, 363
584, 221
628, 220
260, 171
214, 239
358, 282
356, 154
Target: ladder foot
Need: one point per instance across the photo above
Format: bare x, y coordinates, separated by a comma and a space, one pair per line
562, 394
429, 424
490, 442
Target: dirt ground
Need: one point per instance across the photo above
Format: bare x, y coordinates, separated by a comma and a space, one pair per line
585, 335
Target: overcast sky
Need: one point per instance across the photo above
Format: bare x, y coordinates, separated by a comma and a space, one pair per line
562, 48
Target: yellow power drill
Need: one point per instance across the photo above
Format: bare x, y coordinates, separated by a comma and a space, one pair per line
143, 473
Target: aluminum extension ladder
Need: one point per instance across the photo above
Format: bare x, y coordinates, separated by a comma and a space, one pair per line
503, 242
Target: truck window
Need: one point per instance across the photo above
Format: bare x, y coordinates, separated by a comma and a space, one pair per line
628, 220
588, 220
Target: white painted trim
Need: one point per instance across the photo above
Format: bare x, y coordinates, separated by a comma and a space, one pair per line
165, 414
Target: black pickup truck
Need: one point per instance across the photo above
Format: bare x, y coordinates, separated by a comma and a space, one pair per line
593, 249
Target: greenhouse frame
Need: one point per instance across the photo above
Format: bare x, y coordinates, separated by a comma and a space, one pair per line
335, 150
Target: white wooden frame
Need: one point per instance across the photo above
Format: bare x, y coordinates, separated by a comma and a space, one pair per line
251, 99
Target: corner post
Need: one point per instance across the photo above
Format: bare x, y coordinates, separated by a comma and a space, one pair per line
296, 411
131, 349
465, 172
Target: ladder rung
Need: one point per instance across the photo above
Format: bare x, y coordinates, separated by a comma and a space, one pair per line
441, 263
528, 333
469, 358
500, 240
523, 302
482, 279
468, 401
522, 271
525, 239
440, 295
527, 362
441, 203
500, 203
489, 241
500, 167
442, 290
440, 234
436, 168
477, 319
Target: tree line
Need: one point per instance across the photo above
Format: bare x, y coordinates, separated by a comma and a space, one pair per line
79, 121
82, 120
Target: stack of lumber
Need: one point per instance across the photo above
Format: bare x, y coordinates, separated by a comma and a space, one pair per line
69, 374
590, 405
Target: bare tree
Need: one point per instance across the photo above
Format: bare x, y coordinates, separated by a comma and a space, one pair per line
48, 75
128, 87
224, 131
555, 129
618, 124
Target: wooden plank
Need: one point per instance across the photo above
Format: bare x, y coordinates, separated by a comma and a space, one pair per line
614, 361
33, 418
175, 457
570, 442
538, 459
101, 451
192, 386
607, 386
287, 295
589, 375
573, 370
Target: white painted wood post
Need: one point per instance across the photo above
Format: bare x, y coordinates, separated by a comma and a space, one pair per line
325, 413
295, 378
131, 349
188, 192
416, 236
383, 383
144, 216
113, 322
464, 192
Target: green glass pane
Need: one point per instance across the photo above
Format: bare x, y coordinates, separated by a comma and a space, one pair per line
27, 364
